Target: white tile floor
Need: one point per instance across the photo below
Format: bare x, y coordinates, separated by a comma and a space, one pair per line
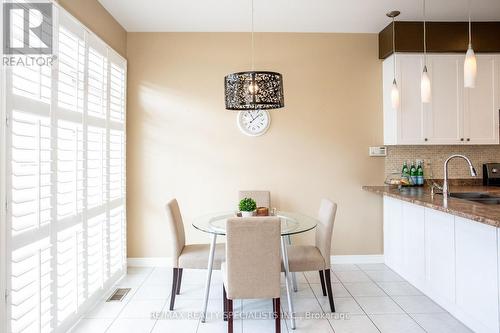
374, 298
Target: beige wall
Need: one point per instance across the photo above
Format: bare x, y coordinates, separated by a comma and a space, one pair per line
96, 18
182, 142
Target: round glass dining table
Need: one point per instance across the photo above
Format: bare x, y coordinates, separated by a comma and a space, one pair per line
291, 224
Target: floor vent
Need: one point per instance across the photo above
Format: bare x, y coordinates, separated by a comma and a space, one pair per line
118, 295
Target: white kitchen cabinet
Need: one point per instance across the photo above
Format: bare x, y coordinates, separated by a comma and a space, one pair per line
453, 260
393, 243
476, 272
413, 268
455, 115
482, 103
404, 126
445, 112
440, 254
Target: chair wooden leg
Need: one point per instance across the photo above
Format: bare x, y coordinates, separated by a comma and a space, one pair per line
229, 316
174, 288
322, 279
224, 300
277, 314
179, 279
329, 289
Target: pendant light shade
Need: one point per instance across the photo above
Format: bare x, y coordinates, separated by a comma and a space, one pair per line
395, 95
470, 63
470, 68
254, 90
425, 87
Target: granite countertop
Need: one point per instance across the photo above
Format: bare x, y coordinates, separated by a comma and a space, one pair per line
487, 214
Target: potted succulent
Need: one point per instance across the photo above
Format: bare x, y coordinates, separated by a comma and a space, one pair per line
247, 207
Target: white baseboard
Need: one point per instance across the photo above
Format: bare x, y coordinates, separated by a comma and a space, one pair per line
345, 259
149, 262
358, 259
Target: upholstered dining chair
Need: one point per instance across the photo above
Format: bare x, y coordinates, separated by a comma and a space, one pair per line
262, 198
194, 256
252, 267
305, 258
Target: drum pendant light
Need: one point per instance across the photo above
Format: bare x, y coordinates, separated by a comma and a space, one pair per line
394, 89
253, 90
470, 63
425, 82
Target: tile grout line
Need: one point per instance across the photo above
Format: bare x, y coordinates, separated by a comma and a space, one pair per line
118, 314
392, 299
139, 287
355, 300
317, 300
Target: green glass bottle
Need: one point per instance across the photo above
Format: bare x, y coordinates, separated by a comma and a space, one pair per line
405, 172
413, 174
420, 174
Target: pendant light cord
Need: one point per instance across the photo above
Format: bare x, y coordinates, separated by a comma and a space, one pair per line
470, 29
394, 44
425, 40
253, 43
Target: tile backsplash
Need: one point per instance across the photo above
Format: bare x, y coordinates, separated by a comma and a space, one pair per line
436, 155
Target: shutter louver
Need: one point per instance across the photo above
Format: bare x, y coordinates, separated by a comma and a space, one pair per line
31, 288
30, 163
66, 221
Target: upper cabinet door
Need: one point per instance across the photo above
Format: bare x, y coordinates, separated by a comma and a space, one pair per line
410, 120
482, 103
444, 117
455, 115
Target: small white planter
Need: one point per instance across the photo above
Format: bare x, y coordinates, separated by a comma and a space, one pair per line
247, 214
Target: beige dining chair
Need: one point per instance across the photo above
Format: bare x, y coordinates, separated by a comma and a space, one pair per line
252, 267
305, 258
262, 198
194, 256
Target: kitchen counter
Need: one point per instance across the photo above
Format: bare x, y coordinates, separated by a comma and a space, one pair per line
487, 214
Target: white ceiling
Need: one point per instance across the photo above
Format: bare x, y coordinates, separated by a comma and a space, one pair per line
287, 15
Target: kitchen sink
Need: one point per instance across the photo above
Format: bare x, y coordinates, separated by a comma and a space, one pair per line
471, 195
479, 197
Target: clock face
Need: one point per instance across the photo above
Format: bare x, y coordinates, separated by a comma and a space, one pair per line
253, 122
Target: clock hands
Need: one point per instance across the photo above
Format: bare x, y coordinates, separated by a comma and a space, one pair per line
258, 115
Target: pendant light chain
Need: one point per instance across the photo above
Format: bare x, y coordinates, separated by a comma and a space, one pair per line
253, 43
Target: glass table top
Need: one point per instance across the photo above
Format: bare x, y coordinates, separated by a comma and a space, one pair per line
291, 223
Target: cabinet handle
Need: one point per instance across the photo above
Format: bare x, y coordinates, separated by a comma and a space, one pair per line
461, 139
468, 139
426, 139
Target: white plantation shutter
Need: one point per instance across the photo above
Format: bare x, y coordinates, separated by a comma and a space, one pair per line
65, 180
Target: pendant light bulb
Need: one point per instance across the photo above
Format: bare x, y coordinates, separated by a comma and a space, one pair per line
253, 88
425, 87
395, 95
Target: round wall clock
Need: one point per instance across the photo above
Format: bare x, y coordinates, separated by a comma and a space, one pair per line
253, 122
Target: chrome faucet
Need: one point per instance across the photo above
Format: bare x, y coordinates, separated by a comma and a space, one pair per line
473, 172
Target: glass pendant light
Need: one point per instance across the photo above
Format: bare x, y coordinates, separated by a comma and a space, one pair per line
253, 90
470, 64
425, 82
394, 89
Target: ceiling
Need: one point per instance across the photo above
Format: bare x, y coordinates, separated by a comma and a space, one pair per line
287, 15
